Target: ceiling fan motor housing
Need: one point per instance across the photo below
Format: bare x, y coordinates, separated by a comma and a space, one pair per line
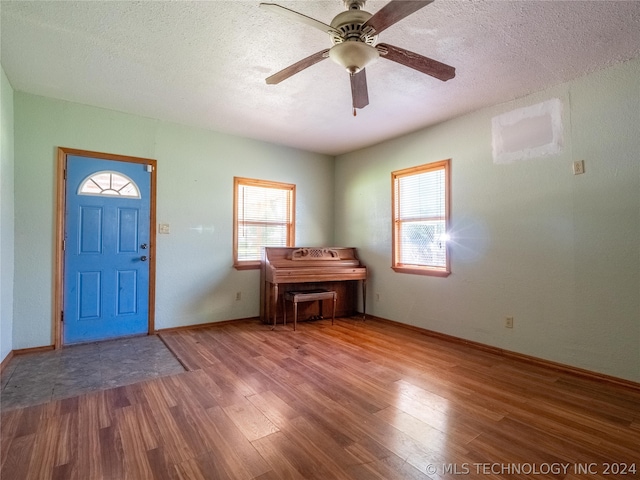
353, 48
349, 24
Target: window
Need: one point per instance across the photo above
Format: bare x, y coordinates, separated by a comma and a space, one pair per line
421, 197
263, 214
109, 183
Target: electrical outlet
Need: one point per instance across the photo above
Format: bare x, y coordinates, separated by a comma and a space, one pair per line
508, 322
238, 296
578, 167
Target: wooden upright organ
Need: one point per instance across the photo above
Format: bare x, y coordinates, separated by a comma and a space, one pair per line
310, 268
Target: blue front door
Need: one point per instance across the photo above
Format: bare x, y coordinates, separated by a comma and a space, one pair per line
106, 286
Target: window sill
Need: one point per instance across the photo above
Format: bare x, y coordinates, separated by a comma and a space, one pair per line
430, 271
247, 265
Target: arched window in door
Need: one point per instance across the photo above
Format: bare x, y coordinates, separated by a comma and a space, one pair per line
109, 183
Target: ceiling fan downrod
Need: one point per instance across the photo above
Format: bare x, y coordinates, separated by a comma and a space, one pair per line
354, 4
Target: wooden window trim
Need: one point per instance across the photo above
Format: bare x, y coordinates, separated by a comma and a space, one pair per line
237, 181
396, 265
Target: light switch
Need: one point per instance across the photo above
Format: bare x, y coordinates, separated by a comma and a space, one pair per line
163, 228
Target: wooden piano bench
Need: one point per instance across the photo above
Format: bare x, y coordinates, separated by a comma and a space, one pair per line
308, 296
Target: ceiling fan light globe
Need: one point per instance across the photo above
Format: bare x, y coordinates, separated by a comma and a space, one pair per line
353, 56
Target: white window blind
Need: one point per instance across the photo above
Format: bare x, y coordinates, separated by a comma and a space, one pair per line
264, 213
420, 216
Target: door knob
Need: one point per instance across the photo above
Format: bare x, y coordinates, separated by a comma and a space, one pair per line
143, 258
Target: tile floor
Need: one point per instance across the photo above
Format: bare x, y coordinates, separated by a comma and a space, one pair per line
36, 378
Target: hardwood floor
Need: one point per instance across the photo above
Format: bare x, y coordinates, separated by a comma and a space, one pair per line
358, 400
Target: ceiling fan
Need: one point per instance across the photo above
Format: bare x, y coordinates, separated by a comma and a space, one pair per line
354, 34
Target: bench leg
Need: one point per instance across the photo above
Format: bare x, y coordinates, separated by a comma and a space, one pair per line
295, 315
333, 316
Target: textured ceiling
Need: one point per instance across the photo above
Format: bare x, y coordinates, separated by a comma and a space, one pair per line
204, 63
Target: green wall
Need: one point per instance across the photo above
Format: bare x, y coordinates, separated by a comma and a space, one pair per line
6, 217
196, 282
560, 253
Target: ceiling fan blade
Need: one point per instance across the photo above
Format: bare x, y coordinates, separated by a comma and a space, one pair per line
297, 67
299, 17
416, 61
393, 12
359, 89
